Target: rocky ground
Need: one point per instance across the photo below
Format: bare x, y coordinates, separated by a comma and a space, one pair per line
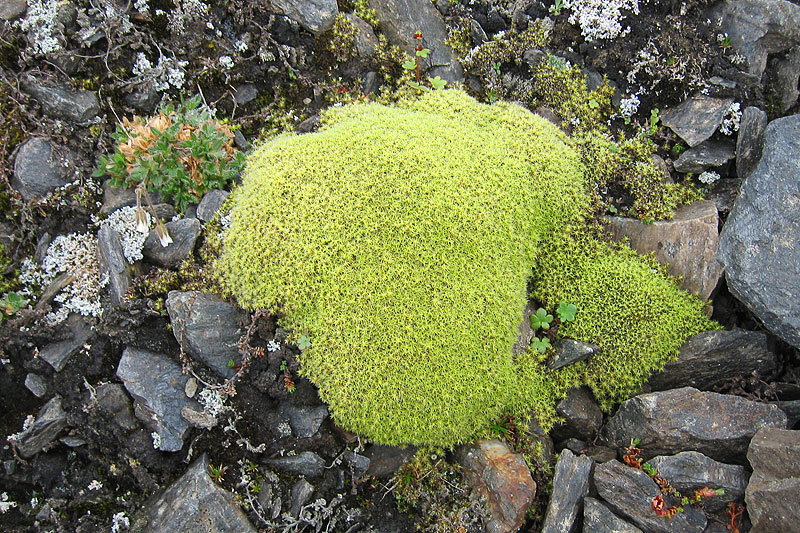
118, 404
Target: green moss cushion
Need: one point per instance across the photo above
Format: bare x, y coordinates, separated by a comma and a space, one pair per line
401, 240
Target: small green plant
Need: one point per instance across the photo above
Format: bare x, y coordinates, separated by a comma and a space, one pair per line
284, 365
182, 152
556, 8
496, 67
566, 312
654, 119
540, 345
12, 303
217, 472
303, 342
414, 64
541, 319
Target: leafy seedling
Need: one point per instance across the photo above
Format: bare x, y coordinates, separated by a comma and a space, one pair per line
566, 312
540, 345
541, 319
303, 342
12, 303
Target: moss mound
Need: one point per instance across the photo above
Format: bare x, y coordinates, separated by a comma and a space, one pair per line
401, 240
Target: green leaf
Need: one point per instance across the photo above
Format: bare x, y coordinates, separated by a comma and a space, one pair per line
409, 65
566, 312
593, 103
437, 83
303, 342
541, 319
540, 345
423, 53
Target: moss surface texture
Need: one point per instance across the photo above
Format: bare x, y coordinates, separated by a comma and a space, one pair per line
401, 240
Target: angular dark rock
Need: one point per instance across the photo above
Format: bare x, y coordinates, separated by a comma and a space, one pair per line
717, 425
192, 503
597, 518
143, 99
11, 9
708, 359
760, 242
385, 460
184, 234
365, 36
245, 93
210, 203
629, 493
571, 485
315, 16
113, 401
113, 262
308, 464
116, 197
36, 172
207, 327
36, 384
305, 421
582, 416
792, 410
689, 471
50, 421
771, 495
61, 102
569, 351
723, 193
688, 243
750, 140
358, 464
525, 335
57, 354
708, 154
301, 492
400, 19
787, 73
502, 478
156, 383
696, 119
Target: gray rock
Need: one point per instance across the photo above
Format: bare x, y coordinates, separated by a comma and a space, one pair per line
308, 464
144, 99
582, 417
58, 353
305, 421
240, 140
690, 471
771, 495
792, 410
385, 460
502, 478
708, 359
113, 401
400, 19
301, 492
184, 234
477, 33
570, 486
696, 119
688, 243
156, 383
315, 16
50, 421
787, 73
757, 28
358, 464
760, 242
723, 193
210, 204
717, 425
705, 155
112, 262
116, 197
370, 84
72, 441
198, 418
525, 335
597, 518
36, 171
36, 384
192, 503
41, 247
11, 9
245, 93
629, 493
569, 351
750, 140
207, 327
60, 102
365, 37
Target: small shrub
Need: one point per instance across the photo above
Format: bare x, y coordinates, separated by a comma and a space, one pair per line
182, 152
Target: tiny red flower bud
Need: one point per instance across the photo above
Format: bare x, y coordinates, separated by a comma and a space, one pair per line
418, 35
419, 47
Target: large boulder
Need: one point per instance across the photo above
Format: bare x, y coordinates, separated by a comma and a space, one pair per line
760, 242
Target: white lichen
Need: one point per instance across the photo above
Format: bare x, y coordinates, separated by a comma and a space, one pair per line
124, 222
40, 23
156, 440
119, 522
6, 504
601, 19
629, 106
733, 116
169, 72
213, 402
708, 177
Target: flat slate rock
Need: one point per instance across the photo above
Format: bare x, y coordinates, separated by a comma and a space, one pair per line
688, 243
385, 460
597, 518
116, 197
61, 102
57, 354
157, 384
581, 414
11, 9
772, 494
305, 421
36, 384
750, 140
191, 504
570, 351
629, 492
36, 172
50, 421
760, 243
210, 204
113, 263
668, 422
571, 485
708, 154
207, 327
690, 471
308, 464
696, 119
315, 16
710, 358
184, 234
